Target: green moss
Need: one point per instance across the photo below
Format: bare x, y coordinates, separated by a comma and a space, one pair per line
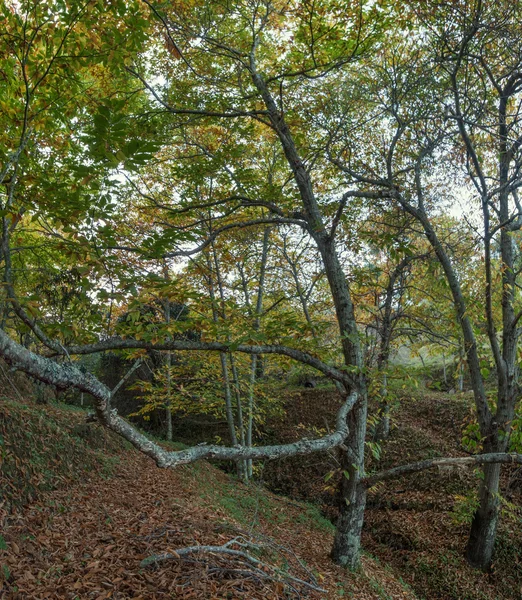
314, 516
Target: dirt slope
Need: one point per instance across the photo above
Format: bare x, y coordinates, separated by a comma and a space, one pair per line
417, 526
86, 537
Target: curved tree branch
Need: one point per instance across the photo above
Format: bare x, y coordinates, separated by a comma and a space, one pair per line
67, 375
431, 463
188, 346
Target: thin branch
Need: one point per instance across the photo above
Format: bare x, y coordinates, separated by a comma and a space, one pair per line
423, 465
189, 346
260, 566
136, 364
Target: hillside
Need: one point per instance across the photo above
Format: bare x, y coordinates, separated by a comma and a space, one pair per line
417, 526
252, 227
80, 510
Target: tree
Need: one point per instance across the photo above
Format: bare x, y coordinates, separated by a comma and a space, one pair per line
493, 166
383, 289
457, 98
261, 21
230, 144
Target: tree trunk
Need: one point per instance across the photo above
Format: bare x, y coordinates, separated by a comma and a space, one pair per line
228, 399
481, 541
251, 386
347, 541
382, 429
460, 380
168, 361
168, 411
223, 360
241, 465
479, 549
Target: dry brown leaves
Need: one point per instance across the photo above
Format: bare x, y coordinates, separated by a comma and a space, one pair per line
87, 542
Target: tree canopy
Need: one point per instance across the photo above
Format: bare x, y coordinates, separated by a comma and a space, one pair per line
222, 182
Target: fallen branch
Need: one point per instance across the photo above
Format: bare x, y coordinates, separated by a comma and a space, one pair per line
423, 465
288, 553
261, 569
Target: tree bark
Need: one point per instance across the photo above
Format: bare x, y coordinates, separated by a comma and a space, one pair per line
242, 470
479, 549
254, 359
432, 463
168, 411
347, 542
460, 378
382, 429
223, 361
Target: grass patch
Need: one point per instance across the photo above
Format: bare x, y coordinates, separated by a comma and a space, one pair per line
441, 576
249, 505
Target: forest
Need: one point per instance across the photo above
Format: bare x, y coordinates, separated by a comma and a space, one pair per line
260, 302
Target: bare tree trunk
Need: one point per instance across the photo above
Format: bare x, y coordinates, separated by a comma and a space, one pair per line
486, 521
223, 359
241, 465
460, 380
237, 394
228, 399
483, 529
347, 544
254, 365
382, 429
347, 541
168, 360
479, 549
251, 387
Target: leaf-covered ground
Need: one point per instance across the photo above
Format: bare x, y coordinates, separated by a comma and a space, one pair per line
111, 508
80, 510
416, 526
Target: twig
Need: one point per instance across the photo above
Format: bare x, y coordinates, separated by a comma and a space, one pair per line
17, 392
260, 566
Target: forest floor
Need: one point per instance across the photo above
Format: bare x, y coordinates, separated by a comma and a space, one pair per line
79, 510
418, 525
